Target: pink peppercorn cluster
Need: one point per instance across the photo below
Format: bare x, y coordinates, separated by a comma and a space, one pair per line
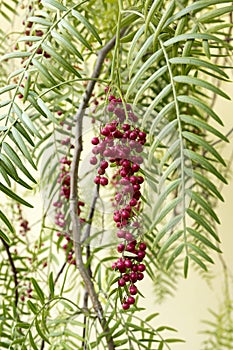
119, 145
27, 293
30, 31
23, 223
131, 269
64, 195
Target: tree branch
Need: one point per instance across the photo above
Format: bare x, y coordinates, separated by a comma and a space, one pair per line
14, 270
76, 229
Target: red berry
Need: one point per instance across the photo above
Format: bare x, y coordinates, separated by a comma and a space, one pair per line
125, 306
124, 181
136, 187
139, 148
95, 141
101, 147
107, 153
141, 267
133, 289
117, 134
121, 247
122, 269
125, 127
95, 150
39, 51
101, 171
135, 268
111, 127
126, 134
130, 300
142, 135
39, 33
104, 164
133, 135
121, 282
128, 263
111, 107
141, 254
128, 208
133, 277
135, 167
142, 246
121, 233
103, 181
137, 195
142, 142
133, 179
117, 217
132, 144
133, 202
109, 140
126, 277
97, 180
124, 172
120, 264
118, 197
129, 238
130, 247
111, 98
93, 160
125, 214
105, 131
126, 163
140, 276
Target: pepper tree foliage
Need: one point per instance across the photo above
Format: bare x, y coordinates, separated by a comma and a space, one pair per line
167, 58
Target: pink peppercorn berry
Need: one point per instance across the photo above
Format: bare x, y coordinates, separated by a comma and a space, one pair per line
133, 289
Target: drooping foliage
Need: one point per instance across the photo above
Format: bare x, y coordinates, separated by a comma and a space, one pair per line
167, 59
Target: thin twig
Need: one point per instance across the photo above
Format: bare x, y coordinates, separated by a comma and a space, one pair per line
49, 298
89, 286
59, 274
14, 270
220, 140
88, 254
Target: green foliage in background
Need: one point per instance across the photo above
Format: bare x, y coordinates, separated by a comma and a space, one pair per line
169, 59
